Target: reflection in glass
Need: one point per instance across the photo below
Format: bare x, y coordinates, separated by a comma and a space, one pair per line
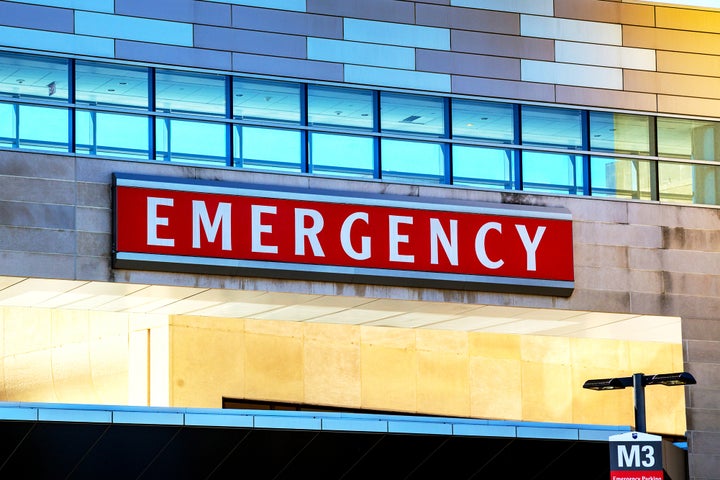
484, 167
8, 125
691, 139
621, 177
191, 142
33, 76
187, 92
42, 128
487, 121
266, 100
552, 173
110, 134
400, 112
688, 183
343, 155
336, 106
268, 149
551, 127
421, 162
620, 132
108, 84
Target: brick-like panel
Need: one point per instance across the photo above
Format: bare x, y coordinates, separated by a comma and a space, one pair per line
704, 466
385, 10
503, 88
502, 45
672, 84
606, 11
295, 23
679, 238
247, 41
595, 97
133, 28
171, 55
467, 19
700, 329
703, 351
191, 11
534, 7
37, 190
37, 17
37, 215
687, 19
34, 264
287, 67
672, 40
43, 240
691, 284
688, 106
467, 64
15, 164
688, 63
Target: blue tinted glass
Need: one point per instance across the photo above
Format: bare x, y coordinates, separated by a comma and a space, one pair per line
33, 76
344, 107
620, 177
487, 121
191, 142
43, 128
8, 125
552, 173
342, 155
551, 127
619, 132
268, 148
484, 167
108, 84
266, 100
110, 134
400, 112
188, 92
422, 162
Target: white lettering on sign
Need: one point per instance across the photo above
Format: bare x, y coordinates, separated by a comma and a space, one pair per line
258, 228
480, 245
450, 245
154, 221
200, 217
345, 242
530, 245
396, 239
310, 233
637, 456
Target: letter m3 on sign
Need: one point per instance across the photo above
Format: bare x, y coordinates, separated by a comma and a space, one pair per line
636, 455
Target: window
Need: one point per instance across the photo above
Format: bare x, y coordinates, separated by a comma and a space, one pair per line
34, 77
619, 132
268, 148
552, 127
621, 177
185, 92
345, 155
422, 162
111, 134
486, 121
690, 139
266, 100
484, 167
416, 114
191, 142
342, 107
108, 84
552, 173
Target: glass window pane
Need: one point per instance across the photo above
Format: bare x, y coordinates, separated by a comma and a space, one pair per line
343, 107
552, 173
691, 139
8, 125
687, 183
110, 134
620, 132
43, 128
342, 155
621, 177
188, 92
484, 167
413, 161
266, 100
551, 127
108, 84
487, 121
268, 148
191, 142
401, 112
33, 76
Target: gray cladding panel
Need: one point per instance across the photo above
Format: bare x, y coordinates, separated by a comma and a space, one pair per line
36, 17
247, 41
287, 22
172, 55
191, 11
384, 10
468, 19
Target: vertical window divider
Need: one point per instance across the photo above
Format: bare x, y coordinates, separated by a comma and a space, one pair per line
304, 133
229, 108
517, 140
377, 151
71, 110
655, 164
587, 177
152, 120
447, 147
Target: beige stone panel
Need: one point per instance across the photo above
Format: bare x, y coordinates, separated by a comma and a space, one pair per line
139, 367
688, 63
26, 330
687, 19
71, 377
207, 362
545, 349
672, 84
160, 366
389, 371
608, 407
109, 358
546, 392
688, 105
388, 337
70, 326
332, 365
443, 383
28, 377
494, 346
496, 388
672, 40
442, 341
274, 361
599, 356
601, 11
596, 97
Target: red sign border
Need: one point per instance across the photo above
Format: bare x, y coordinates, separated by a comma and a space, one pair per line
295, 271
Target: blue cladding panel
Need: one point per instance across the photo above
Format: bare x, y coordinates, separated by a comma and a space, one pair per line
294, 5
397, 34
106, 6
130, 28
41, 18
58, 42
360, 53
397, 78
173, 55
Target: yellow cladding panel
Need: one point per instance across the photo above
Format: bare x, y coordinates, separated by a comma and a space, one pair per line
687, 19
672, 84
688, 63
443, 385
673, 40
688, 106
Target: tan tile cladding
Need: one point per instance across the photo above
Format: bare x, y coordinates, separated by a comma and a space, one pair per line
688, 63
687, 19
602, 11
671, 40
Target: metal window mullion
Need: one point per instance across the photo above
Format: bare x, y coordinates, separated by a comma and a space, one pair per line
304, 135
517, 140
229, 107
377, 151
16, 111
446, 148
152, 122
587, 177
72, 136
655, 164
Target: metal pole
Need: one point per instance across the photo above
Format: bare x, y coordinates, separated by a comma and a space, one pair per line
639, 395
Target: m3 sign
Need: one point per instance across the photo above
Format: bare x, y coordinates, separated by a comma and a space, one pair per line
636, 456
217, 227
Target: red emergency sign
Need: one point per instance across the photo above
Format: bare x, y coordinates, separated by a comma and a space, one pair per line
173, 224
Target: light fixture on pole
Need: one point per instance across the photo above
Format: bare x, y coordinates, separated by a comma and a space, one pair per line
638, 381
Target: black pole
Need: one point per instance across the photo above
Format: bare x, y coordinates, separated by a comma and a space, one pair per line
639, 391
